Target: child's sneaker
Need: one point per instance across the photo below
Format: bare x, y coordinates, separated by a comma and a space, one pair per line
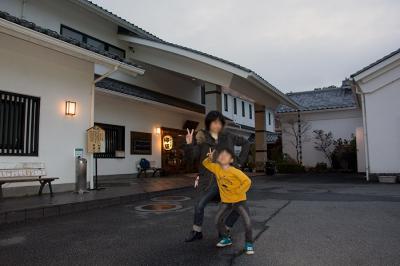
249, 248
225, 241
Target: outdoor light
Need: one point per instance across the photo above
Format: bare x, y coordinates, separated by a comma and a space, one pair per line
168, 142
157, 131
70, 108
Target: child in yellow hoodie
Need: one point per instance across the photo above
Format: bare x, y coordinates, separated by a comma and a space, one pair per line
233, 185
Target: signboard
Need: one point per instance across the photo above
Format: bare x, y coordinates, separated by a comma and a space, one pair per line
96, 140
78, 152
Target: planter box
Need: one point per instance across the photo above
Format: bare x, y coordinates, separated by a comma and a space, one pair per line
388, 179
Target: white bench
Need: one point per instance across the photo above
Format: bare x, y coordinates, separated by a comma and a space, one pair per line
25, 172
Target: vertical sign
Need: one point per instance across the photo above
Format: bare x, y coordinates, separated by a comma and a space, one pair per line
96, 140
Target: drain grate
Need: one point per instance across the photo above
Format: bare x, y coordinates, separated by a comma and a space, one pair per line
170, 198
158, 207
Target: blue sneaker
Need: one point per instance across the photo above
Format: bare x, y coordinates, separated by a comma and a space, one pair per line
249, 248
225, 241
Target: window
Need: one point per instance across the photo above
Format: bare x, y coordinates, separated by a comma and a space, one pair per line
235, 106
226, 102
243, 110
269, 118
115, 141
141, 143
103, 46
203, 94
19, 124
250, 111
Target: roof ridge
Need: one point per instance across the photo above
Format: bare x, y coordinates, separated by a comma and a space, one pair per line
375, 63
94, 5
316, 90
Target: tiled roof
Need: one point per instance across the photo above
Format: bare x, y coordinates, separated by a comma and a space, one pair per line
322, 99
141, 32
375, 63
56, 35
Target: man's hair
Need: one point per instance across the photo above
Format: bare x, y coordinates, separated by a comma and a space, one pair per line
214, 116
227, 150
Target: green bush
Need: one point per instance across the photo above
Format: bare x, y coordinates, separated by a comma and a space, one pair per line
290, 168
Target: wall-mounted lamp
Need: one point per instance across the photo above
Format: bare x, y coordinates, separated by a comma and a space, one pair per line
157, 131
70, 108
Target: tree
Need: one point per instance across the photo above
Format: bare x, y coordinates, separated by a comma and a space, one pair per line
297, 130
324, 143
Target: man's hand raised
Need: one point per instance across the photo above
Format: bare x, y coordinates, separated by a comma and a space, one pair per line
189, 136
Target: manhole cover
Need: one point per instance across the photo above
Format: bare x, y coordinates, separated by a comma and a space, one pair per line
158, 207
170, 198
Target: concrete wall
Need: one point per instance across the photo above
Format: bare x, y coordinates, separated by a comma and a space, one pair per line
139, 116
342, 123
33, 70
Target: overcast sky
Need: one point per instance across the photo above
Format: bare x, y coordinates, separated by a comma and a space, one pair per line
294, 44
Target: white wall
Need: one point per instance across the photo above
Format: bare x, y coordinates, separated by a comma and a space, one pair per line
33, 70
383, 122
247, 120
342, 123
139, 116
51, 14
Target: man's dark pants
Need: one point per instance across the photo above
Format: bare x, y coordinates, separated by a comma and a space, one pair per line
209, 196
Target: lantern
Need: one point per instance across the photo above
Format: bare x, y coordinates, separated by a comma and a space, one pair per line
168, 142
70, 108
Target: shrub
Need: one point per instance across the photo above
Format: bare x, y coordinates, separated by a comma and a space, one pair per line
344, 155
290, 168
321, 167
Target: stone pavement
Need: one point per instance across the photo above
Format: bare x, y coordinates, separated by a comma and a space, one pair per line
33, 207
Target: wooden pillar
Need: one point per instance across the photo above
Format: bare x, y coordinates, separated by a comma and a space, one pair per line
213, 97
261, 137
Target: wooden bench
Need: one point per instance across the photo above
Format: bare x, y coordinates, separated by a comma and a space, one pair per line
25, 172
153, 167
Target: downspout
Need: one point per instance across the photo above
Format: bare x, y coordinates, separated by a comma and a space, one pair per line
365, 127
92, 99
23, 9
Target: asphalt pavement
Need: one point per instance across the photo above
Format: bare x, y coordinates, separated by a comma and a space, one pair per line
298, 220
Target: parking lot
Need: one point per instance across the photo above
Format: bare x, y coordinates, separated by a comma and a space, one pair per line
298, 220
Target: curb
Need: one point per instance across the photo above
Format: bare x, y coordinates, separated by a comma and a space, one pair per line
26, 215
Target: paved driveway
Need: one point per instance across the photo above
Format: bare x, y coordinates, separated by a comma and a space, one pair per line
324, 220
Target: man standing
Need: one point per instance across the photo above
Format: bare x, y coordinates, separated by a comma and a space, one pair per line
213, 137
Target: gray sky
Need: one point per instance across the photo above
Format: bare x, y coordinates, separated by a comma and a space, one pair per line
294, 44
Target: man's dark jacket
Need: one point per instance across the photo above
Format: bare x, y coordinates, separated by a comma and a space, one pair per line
198, 150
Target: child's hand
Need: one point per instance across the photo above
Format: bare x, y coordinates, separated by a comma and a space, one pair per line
189, 136
210, 154
196, 182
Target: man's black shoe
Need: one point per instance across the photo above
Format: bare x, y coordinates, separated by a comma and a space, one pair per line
193, 236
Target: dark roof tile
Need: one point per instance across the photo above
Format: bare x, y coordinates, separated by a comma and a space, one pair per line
322, 99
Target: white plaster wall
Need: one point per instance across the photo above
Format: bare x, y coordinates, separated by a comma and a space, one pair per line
33, 70
269, 120
139, 116
341, 123
51, 14
238, 118
383, 122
